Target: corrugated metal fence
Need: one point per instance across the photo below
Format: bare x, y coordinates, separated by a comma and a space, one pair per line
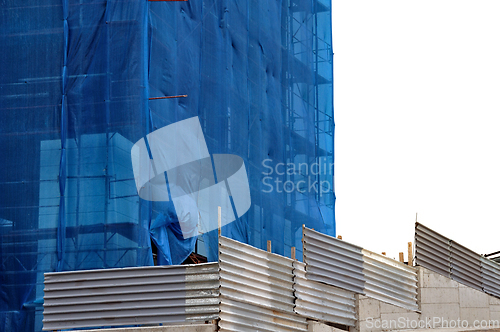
334, 262
449, 258
465, 266
256, 290
341, 264
432, 250
129, 296
248, 289
390, 281
490, 272
320, 301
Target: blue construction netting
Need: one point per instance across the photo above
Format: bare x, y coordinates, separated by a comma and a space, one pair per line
76, 79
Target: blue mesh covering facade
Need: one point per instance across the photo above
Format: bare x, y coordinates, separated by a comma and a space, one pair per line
75, 87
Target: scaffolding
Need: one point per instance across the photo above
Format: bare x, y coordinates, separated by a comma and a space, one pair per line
82, 81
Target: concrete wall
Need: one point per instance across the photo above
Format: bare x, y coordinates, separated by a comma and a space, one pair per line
441, 301
374, 315
446, 299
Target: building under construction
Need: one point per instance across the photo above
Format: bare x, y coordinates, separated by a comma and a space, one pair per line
83, 82
339, 287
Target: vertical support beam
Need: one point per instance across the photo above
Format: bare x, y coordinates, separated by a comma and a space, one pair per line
401, 257
302, 242
269, 246
219, 219
293, 253
410, 254
61, 221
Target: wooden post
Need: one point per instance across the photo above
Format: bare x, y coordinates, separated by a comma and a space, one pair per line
303, 231
410, 254
293, 253
401, 257
339, 237
269, 246
219, 219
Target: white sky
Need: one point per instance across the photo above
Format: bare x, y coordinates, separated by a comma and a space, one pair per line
417, 114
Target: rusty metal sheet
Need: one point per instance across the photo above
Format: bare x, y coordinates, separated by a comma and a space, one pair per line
130, 296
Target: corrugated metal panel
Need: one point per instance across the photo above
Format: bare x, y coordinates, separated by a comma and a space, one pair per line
256, 290
239, 316
141, 295
432, 250
465, 266
490, 272
390, 281
334, 262
255, 276
447, 257
322, 302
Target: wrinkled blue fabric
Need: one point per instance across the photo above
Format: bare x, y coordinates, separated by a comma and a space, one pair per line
166, 233
75, 83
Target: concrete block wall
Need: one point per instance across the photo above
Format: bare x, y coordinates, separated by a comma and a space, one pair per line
375, 315
437, 296
441, 301
447, 299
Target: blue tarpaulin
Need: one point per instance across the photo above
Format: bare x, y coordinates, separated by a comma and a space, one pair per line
76, 82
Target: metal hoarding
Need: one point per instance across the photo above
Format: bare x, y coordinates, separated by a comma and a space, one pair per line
130, 296
322, 302
332, 261
490, 272
465, 266
390, 281
432, 250
451, 259
239, 316
256, 290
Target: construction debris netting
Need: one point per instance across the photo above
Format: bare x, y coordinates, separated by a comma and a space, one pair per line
79, 82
